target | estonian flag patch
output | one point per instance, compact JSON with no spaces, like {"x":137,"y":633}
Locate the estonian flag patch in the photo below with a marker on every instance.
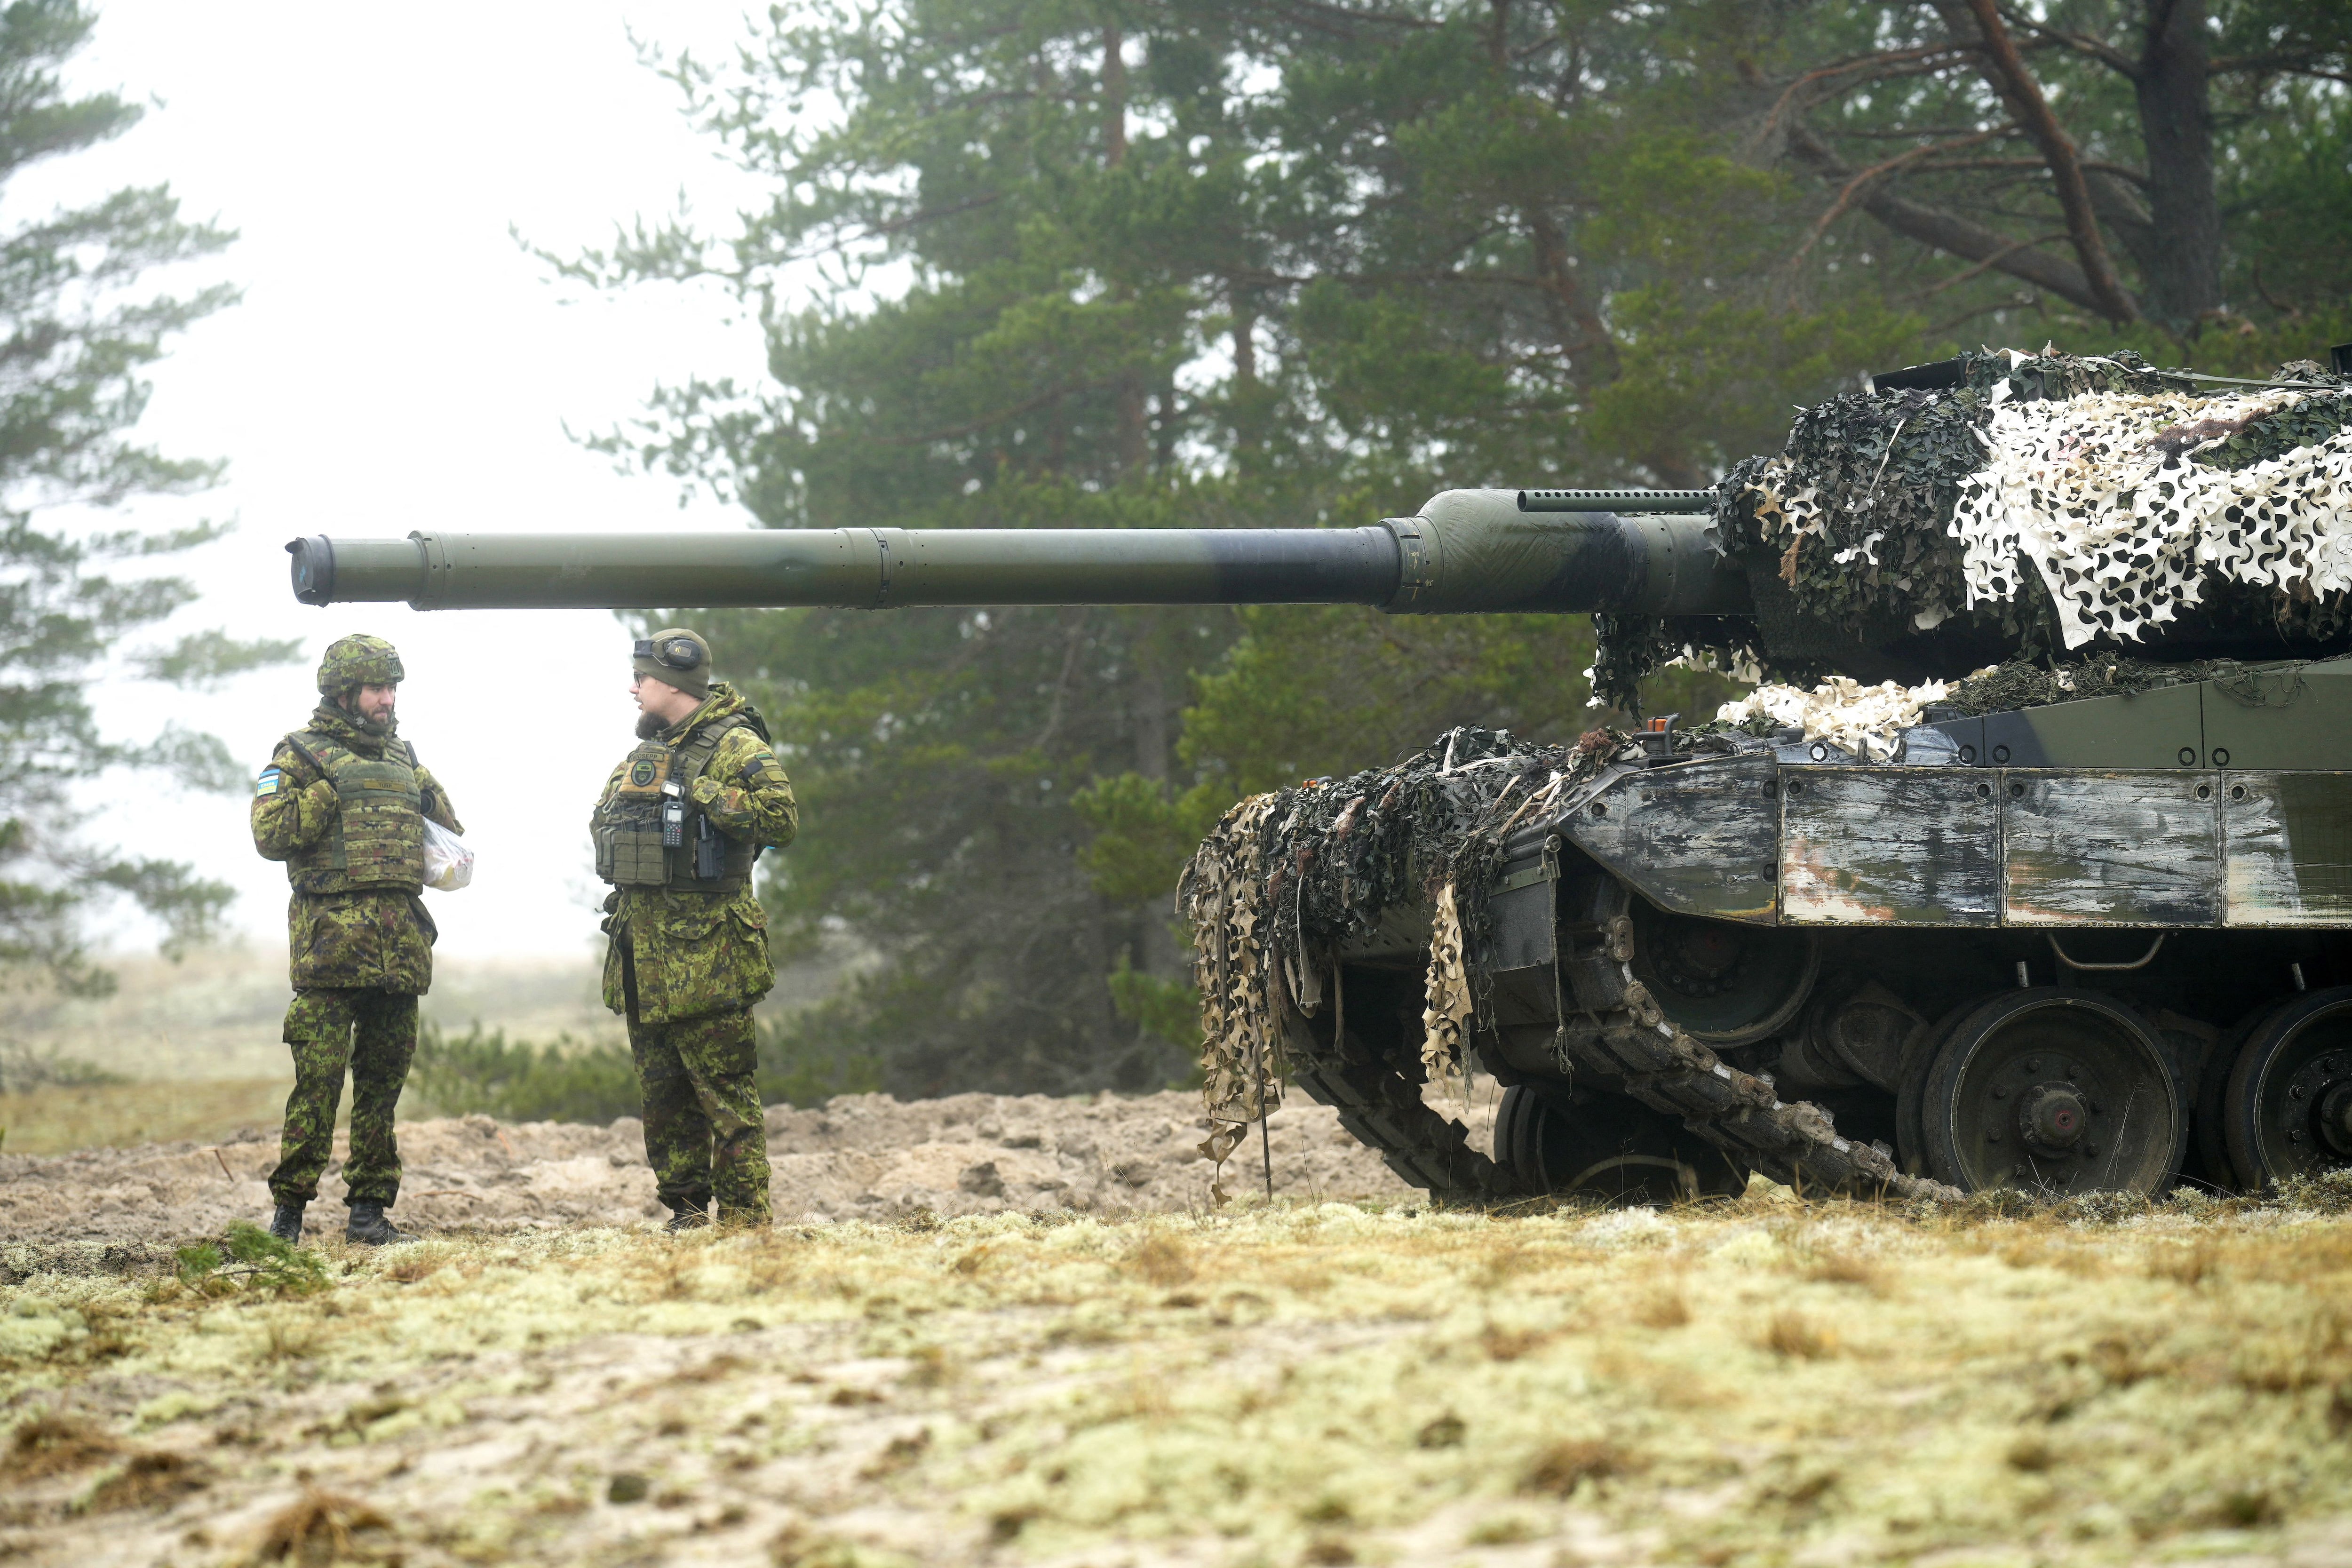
{"x":272,"y":777}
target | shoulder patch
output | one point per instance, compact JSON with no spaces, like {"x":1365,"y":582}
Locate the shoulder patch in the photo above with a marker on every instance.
{"x":271,"y":779}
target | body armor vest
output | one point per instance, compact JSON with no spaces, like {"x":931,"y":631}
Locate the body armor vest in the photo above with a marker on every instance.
{"x":650,"y":834}
{"x":379,"y":836}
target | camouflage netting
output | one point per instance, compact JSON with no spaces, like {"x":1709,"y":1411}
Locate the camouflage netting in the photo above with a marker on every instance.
{"x":1866,"y":720}
{"x":1285,"y":877}
{"x":2060,"y":501}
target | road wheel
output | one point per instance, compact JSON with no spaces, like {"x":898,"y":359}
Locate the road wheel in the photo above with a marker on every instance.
{"x":1608,"y":1147}
{"x":2053,"y":1090}
{"x":1910,"y":1095}
{"x":2288,"y":1108}
{"x":2209,"y":1151}
{"x":1721,"y":982}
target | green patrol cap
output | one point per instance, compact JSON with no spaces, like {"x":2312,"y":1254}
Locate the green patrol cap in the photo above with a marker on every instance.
{"x":358,"y":660}
{"x":675,"y":656}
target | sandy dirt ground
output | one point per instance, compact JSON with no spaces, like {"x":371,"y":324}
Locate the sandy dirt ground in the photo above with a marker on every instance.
{"x":863,"y":1156}
{"x":1749,"y":1385}
{"x":991,"y":1332}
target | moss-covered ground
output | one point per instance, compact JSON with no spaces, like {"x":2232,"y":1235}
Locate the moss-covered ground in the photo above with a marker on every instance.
{"x":1757,"y":1383}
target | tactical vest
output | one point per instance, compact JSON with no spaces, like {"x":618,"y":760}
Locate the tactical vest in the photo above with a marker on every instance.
{"x":379,"y":836}
{"x":627,"y":830}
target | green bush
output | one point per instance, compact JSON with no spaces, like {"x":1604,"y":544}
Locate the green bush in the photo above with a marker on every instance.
{"x":249,"y":1257}
{"x":803,"y":1060}
{"x":483,"y":1072}
{"x":479,"y":1071}
{"x":23,"y":1069}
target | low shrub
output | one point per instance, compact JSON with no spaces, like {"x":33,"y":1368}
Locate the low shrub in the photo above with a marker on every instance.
{"x":23,"y":1069}
{"x":248,"y":1257}
{"x":803,"y":1062}
{"x":483,"y":1072}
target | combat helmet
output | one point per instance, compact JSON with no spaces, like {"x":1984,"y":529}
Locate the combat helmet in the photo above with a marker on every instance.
{"x":358,"y":661}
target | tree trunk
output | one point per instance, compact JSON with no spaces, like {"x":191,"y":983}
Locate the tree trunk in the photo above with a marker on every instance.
{"x":1154,"y":715}
{"x":1128,"y":391}
{"x":2183,"y":267}
{"x":2004,"y":68}
{"x":1114,"y":81}
{"x":1245,"y":389}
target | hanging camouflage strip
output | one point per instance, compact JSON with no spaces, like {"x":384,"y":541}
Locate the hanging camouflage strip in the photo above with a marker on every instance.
{"x":1446,"y":1010}
{"x":1220,"y":897}
{"x":2047,"y":503}
{"x":1286,"y":878}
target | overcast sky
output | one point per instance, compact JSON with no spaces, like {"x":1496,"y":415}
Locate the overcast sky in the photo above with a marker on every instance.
{"x":398,"y":362}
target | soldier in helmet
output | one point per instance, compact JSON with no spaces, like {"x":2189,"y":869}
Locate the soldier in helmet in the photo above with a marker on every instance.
{"x":343,"y":804}
{"x":677,"y":831}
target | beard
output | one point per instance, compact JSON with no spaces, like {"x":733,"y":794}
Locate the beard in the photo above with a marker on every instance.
{"x":649,"y":725}
{"x":366,"y":724}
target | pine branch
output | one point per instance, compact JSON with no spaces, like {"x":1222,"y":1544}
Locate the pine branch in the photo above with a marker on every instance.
{"x":2007,"y":71}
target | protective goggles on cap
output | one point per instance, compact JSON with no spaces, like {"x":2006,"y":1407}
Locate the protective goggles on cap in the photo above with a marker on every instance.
{"x":674,"y":653}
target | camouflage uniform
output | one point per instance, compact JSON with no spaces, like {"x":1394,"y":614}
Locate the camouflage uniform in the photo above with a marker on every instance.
{"x":360,"y":946}
{"x":689,"y":954}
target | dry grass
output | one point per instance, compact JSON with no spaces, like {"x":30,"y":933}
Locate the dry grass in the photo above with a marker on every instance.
{"x":51,"y":1444}
{"x":1791,"y":1333}
{"x":1563,"y":1468}
{"x":1662,"y":1308}
{"x":1743,"y":1385}
{"x":57,"y":1119}
{"x":1845,"y":1268}
{"x":320,"y":1527}
{"x":144,"y":1481}
{"x":1163,"y":1259}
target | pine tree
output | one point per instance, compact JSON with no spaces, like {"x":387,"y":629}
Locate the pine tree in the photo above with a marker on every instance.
{"x":76,"y":337}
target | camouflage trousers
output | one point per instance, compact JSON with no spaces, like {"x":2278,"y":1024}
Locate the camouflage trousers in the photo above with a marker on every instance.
{"x":706,"y":1133}
{"x":373,"y":1034}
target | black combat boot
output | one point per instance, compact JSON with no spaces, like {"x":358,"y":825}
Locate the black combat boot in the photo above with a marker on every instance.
{"x":286,"y":1224}
{"x":370,"y":1228}
{"x":691,"y":1213}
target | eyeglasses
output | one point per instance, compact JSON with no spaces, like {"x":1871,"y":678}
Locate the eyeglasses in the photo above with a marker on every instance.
{"x":674,"y":653}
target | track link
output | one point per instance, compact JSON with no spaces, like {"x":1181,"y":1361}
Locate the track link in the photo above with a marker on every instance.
{"x":1796,"y":1144}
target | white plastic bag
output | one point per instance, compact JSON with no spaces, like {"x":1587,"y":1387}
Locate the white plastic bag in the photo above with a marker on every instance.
{"x":448,"y":864}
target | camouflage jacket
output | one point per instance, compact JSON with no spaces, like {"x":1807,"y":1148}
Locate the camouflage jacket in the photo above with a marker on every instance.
{"x":694,"y":953}
{"x":375,"y":937}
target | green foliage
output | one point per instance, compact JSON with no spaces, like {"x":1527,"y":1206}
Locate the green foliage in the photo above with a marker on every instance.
{"x":23,"y":1069}
{"x":485,"y":1073}
{"x":81,"y":334}
{"x":1166,"y":1009}
{"x":801,"y":1062}
{"x":249,"y":1258}
{"x":806,"y":1058}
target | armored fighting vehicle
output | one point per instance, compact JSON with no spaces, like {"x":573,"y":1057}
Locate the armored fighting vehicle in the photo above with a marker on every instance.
{"x":2075,"y":922}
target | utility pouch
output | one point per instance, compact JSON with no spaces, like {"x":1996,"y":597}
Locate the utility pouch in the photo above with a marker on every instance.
{"x":710,"y":850}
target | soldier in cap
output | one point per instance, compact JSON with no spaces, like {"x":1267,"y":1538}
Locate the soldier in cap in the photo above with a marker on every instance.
{"x":343,"y":804}
{"x":677,"y":831}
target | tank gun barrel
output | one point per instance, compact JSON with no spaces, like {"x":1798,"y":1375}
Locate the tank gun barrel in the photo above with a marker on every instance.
{"x":1464,"y":551}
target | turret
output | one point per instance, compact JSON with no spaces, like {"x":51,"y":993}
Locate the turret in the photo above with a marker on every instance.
{"x":1623,"y":552}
